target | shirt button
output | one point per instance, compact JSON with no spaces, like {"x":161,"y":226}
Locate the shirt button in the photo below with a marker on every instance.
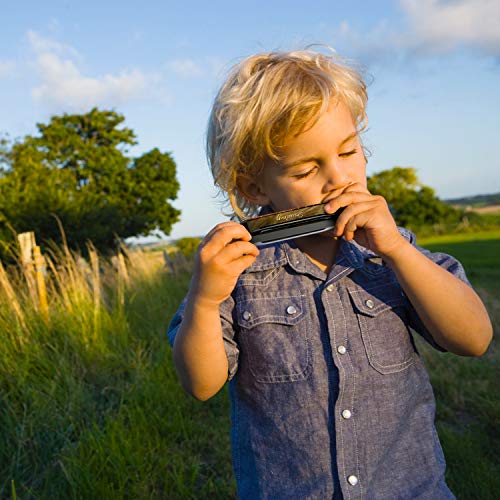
{"x":370,"y":303}
{"x":330,"y":288}
{"x":341,"y":349}
{"x":291,"y":310}
{"x":353,"y":480}
{"x":247,"y":315}
{"x":346,"y":414}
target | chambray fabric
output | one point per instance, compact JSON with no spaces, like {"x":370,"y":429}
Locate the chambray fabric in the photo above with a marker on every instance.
{"x":304,"y":347}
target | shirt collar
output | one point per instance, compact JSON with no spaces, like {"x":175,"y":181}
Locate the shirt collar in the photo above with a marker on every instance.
{"x":350,"y":255}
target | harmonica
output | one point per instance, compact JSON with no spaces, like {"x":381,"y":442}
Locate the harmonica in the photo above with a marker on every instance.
{"x":288,"y":224}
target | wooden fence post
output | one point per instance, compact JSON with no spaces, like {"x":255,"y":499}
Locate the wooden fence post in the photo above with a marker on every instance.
{"x":40,"y":281}
{"x":27,"y":242}
{"x":169,"y":263}
{"x":34,"y":270}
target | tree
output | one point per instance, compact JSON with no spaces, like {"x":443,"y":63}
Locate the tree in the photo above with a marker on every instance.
{"x":412,"y":204}
{"x":77,"y":170}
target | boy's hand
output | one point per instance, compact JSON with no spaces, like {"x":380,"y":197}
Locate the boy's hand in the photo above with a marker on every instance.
{"x":222,"y":256}
{"x":366,"y":219}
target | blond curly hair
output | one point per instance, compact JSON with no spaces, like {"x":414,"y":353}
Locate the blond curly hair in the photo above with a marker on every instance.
{"x":267,"y":98}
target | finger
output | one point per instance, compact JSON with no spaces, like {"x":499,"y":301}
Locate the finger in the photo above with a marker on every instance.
{"x":237,"y":249}
{"x":234,"y":258}
{"x":359,"y":221}
{"x":225,"y":234}
{"x":350,"y":220}
{"x":346,"y":199}
{"x":351,"y":227}
{"x":356,"y":187}
{"x":219,"y":227}
{"x":243,"y":263}
{"x":221,"y":236}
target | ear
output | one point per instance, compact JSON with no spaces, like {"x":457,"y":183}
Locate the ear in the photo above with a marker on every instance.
{"x":252,"y":190}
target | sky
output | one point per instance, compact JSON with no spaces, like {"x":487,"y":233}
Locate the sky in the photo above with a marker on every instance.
{"x":433,"y":68}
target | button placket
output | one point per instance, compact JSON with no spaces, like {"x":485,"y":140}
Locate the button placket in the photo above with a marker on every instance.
{"x":345,"y":416}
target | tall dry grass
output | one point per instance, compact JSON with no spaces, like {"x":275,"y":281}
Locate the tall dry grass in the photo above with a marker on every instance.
{"x":90,"y":406}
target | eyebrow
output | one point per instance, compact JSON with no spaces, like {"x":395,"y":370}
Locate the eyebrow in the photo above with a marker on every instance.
{"x":313,"y":158}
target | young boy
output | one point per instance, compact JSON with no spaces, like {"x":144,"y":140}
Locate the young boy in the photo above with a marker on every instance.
{"x":329,"y":397}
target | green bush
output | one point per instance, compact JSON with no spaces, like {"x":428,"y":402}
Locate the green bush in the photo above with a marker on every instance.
{"x":188,"y":246}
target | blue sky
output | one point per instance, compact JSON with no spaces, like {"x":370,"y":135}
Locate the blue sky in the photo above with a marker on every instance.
{"x":434,"y":98}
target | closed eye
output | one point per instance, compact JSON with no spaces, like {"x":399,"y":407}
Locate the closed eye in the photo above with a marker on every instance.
{"x":305,"y":174}
{"x":348,"y":153}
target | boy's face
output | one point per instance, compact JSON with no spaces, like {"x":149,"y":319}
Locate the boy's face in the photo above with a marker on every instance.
{"x":315,"y":165}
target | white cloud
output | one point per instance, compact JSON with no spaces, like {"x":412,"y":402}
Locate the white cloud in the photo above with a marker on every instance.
{"x":43,"y":45}
{"x":433,"y":27}
{"x":444,"y":25}
{"x":380,"y":43}
{"x":63,"y":85}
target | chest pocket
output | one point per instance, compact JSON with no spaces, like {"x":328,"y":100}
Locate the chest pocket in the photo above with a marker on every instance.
{"x":274,"y":343}
{"x":381,"y":314}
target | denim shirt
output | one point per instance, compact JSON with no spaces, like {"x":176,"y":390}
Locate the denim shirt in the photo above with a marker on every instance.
{"x":329,"y":396}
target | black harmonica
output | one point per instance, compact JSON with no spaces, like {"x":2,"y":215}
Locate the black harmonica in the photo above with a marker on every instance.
{"x":288,"y":224}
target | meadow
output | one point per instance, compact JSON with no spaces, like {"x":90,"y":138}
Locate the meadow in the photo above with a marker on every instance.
{"x":90,"y":405}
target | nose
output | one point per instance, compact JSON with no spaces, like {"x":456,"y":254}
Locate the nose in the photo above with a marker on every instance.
{"x":335,"y":176}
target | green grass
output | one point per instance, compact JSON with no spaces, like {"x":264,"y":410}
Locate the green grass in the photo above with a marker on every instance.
{"x":99,"y":413}
{"x":90,"y":405}
{"x":466,"y":389}
{"x":478,"y":252}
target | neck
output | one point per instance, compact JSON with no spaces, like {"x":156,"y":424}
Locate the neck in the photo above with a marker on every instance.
{"x":321,"y":249}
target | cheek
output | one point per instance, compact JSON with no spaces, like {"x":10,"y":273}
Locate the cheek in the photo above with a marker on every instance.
{"x":360,"y":173}
{"x":293,"y":196}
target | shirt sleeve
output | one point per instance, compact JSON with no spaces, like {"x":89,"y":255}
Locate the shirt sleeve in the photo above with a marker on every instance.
{"x":447,"y":262}
{"x":226,"y":311}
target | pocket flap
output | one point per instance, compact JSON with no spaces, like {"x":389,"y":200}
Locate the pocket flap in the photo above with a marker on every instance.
{"x":283,"y":310}
{"x":374,"y":301}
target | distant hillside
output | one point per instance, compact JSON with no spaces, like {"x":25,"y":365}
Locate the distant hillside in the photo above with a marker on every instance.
{"x":479,"y":200}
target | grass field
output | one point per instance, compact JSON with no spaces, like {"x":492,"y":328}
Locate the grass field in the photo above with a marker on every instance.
{"x":466,"y":389}
{"x":90,"y":406}
{"x":478,"y":252}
